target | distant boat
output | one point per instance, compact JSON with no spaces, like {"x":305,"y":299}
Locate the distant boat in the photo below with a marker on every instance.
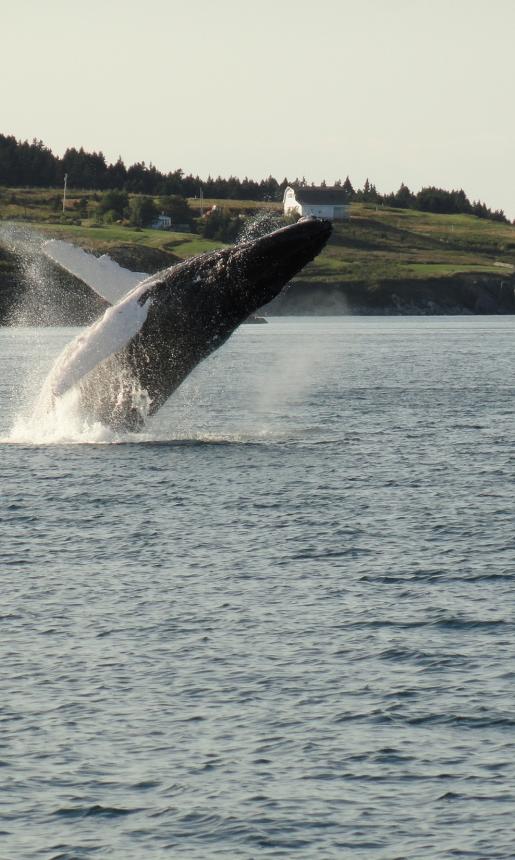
{"x":254,"y":320}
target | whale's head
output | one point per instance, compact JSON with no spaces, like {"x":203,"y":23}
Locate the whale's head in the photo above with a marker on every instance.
{"x":261,"y":267}
{"x":213,"y":293}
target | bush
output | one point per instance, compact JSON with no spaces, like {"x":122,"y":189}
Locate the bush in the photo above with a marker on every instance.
{"x":111,"y":216}
{"x":220,"y":226}
{"x":142,"y":211}
{"x":113,"y":201}
{"x":177,"y":208}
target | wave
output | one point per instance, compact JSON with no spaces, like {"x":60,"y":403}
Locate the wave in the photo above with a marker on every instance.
{"x":95,"y":810}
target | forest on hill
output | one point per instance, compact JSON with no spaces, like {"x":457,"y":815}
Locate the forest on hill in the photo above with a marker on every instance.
{"x":24,"y":164}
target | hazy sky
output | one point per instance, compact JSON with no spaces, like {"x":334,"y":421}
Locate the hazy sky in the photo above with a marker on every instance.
{"x":419,"y":91}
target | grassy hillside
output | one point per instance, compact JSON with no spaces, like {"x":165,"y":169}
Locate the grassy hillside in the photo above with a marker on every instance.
{"x":396,"y":244}
{"x":376,"y":243}
{"x":375,"y":250}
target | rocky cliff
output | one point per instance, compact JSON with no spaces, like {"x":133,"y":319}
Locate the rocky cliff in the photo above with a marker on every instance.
{"x":460,"y":294}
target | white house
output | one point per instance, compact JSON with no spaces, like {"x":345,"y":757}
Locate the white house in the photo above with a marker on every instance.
{"x":162,"y":222}
{"x":331,"y":203}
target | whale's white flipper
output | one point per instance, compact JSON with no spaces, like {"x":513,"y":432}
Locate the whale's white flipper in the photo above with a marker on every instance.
{"x":103,"y":275}
{"x":109,"y":334}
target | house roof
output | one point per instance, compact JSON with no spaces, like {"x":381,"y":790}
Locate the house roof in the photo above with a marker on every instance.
{"x":321,"y":196}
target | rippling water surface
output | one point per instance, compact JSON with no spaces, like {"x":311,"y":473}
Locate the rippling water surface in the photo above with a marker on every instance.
{"x":279,"y":623}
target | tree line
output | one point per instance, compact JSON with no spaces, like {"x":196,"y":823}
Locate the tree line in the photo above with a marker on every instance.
{"x":34,"y":165}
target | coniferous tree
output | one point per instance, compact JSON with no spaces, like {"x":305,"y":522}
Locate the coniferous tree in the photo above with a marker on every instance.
{"x":347,"y":187}
{"x":402,"y":199}
{"x":116,"y":174}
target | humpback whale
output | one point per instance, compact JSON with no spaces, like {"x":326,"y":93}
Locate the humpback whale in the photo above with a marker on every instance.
{"x":127,"y":364}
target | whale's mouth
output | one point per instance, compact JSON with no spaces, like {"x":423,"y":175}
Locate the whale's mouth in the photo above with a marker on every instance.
{"x":270,"y":262}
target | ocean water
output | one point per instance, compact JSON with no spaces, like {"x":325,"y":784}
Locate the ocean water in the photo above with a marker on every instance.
{"x":278,"y":623}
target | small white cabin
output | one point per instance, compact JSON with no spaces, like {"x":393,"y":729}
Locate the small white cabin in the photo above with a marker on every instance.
{"x":331,"y":203}
{"x":162,"y":222}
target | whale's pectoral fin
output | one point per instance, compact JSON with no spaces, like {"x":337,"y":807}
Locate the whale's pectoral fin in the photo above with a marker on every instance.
{"x":105,"y":277}
{"x":108,"y":335}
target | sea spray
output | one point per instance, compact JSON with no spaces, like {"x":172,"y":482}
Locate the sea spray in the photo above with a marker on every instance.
{"x":38,"y":301}
{"x":45,"y":293}
{"x":49,"y":420}
{"x":295,"y":367}
{"x":259,"y":225}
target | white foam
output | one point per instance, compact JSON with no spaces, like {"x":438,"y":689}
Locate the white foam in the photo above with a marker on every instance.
{"x":61,"y":424}
{"x":102,"y":274}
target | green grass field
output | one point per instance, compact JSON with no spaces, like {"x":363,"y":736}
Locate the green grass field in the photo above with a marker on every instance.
{"x":376,"y":244}
{"x":101,"y":238}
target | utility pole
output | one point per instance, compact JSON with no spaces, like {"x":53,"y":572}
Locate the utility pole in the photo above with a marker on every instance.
{"x":64,"y":191}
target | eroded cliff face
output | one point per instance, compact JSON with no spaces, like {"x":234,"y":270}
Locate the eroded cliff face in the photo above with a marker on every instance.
{"x":460,"y":294}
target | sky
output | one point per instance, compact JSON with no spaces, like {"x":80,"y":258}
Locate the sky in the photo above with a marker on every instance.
{"x":413,"y":91}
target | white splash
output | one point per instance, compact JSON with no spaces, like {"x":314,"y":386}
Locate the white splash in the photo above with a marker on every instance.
{"x":61,"y":424}
{"x":63,"y":421}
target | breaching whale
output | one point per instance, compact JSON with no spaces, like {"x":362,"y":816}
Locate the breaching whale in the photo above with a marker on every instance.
{"x":127,"y":364}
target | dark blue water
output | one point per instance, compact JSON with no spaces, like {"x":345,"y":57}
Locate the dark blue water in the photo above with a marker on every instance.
{"x":281,"y":624}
